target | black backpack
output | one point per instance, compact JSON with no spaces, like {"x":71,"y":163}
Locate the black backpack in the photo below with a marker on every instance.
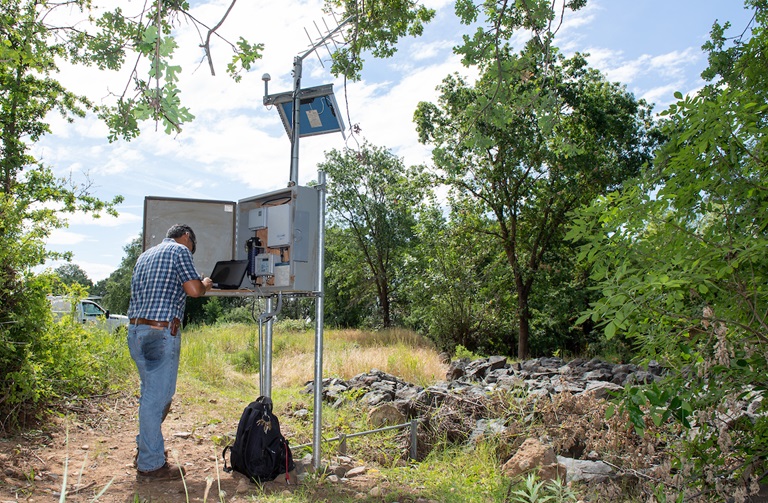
{"x":260,"y":451}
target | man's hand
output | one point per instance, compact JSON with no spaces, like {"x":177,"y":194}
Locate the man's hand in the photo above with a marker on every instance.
{"x":197,"y":287}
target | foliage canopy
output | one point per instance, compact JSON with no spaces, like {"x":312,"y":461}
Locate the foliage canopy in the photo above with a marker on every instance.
{"x":374,"y":200}
{"x":538,"y":136}
{"x":681,"y":264}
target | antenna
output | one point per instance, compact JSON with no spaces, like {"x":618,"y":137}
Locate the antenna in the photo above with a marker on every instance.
{"x":266,"y":78}
{"x":324,"y":40}
{"x":308,"y":103}
{"x":330,"y":36}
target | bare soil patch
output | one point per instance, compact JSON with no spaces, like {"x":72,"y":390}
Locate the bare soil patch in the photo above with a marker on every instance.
{"x":95,"y":445}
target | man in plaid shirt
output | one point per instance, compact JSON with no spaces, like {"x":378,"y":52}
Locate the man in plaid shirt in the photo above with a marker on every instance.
{"x":162,"y":279}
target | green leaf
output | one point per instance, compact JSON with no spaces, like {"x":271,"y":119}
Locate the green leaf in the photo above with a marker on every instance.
{"x":150,"y":35}
{"x":581,"y":319}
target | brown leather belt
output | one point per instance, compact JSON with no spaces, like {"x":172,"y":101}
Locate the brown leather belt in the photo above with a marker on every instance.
{"x":151,"y":323}
{"x":158,"y":324}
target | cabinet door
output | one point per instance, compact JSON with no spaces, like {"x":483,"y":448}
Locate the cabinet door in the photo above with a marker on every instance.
{"x":212,"y":221}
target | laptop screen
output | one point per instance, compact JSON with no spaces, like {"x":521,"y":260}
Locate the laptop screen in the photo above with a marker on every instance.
{"x":228,"y":274}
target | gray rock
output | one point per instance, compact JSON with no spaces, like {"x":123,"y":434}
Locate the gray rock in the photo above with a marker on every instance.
{"x":457,"y":369}
{"x":538,"y":377}
{"x":584,"y":470}
{"x":408,"y":392}
{"x":599,"y":374}
{"x":654,"y":368}
{"x":640,"y":377}
{"x":356,"y":472}
{"x":601,"y":389}
{"x":386,"y":414}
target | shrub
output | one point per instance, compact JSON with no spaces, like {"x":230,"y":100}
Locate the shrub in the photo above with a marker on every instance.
{"x":54,"y":360}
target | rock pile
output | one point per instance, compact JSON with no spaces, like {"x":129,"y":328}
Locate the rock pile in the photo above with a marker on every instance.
{"x":538,"y":377}
{"x":457,"y":410}
{"x":392,"y":400}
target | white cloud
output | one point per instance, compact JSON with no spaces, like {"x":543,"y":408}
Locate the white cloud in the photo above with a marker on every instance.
{"x":63,"y":237}
{"x":674,"y":63}
{"x":437,"y":4}
{"x":570,"y":34}
{"x":661,"y":96}
{"x":121,"y":163}
{"x":654,"y":78}
{"x":387,"y":119}
{"x":96,"y":271}
{"x":426,"y":51}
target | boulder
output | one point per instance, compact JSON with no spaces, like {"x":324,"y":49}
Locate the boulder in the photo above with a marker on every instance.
{"x":457,"y":369}
{"x":602,"y":389}
{"x":386,"y":414}
{"x":584,"y":470}
{"x":533,"y":456}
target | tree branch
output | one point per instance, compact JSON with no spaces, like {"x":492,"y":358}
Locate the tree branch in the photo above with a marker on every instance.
{"x":207,"y":44}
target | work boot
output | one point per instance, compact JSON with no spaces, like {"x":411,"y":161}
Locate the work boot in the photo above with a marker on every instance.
{"x":136,"y":457}
{"x":165,"y":472}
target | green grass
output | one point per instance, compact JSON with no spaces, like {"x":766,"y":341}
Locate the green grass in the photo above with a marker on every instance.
{"x":221,"y":361}
{"x":456,"y":474}
{"x":212,"y":363}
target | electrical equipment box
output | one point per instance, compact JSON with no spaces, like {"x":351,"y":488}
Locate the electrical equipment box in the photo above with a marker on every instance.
{"x":282,"y":275}
{"x":290,"y":235}
{"x":214,"y":223}
{"x":279,"y":225}
{"x":277,"y":232}
{"x":257,"y":219}
{"x":265,"y":265}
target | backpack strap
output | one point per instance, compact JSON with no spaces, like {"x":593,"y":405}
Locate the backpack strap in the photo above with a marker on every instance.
{"x":267,"y":402}
{"x":224,"y":457}
{"x":287,"y":452}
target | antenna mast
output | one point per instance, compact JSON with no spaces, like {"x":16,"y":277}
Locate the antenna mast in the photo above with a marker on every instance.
{"x":297,"y":95}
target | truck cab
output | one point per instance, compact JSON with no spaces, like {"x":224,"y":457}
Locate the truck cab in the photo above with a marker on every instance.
{"x":86,"y":311}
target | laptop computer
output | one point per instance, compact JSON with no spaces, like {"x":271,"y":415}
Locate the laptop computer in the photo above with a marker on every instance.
{"x":229,"y":274}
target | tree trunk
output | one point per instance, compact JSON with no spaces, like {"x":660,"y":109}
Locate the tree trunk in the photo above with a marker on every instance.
{"x":524,"y":328}
{"x":385,"y":308}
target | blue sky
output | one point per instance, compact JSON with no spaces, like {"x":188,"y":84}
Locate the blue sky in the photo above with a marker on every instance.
{"x":236,"y":148}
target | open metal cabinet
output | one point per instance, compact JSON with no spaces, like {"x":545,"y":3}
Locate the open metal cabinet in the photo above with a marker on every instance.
{"x":276,"y":232}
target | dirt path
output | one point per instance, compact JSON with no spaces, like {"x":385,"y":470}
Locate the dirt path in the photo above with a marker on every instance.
{"x":96,"y":445}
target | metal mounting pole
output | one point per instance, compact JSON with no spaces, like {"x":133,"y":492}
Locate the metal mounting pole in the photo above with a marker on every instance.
{"x":295,"y":131}
{"x":294,"y":181}
{"x":262,"y":384}
{"x":319,"y":320}
{"x":266,"y":372}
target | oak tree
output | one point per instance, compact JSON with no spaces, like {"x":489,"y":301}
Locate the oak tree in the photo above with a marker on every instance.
{"x":535,"y":138}
{"x":375,"y":199}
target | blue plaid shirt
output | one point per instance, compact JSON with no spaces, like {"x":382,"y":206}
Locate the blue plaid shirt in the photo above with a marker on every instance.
{"x":156,"y":286}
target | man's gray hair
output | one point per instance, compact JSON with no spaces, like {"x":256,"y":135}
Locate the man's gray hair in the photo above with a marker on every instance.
{"x":179,"y":230}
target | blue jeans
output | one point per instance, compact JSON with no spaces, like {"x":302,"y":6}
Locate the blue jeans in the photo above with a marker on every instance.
{"x":156,"y":353}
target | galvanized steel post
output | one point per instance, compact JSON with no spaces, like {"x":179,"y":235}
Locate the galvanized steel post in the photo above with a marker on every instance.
{"x":295,"y":132}
{"x":319,"y":320}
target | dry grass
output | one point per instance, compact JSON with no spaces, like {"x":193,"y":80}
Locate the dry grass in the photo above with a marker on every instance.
{"x":347,"y":353}
{"x":208,"y":354}
{"x":420,"y":366}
